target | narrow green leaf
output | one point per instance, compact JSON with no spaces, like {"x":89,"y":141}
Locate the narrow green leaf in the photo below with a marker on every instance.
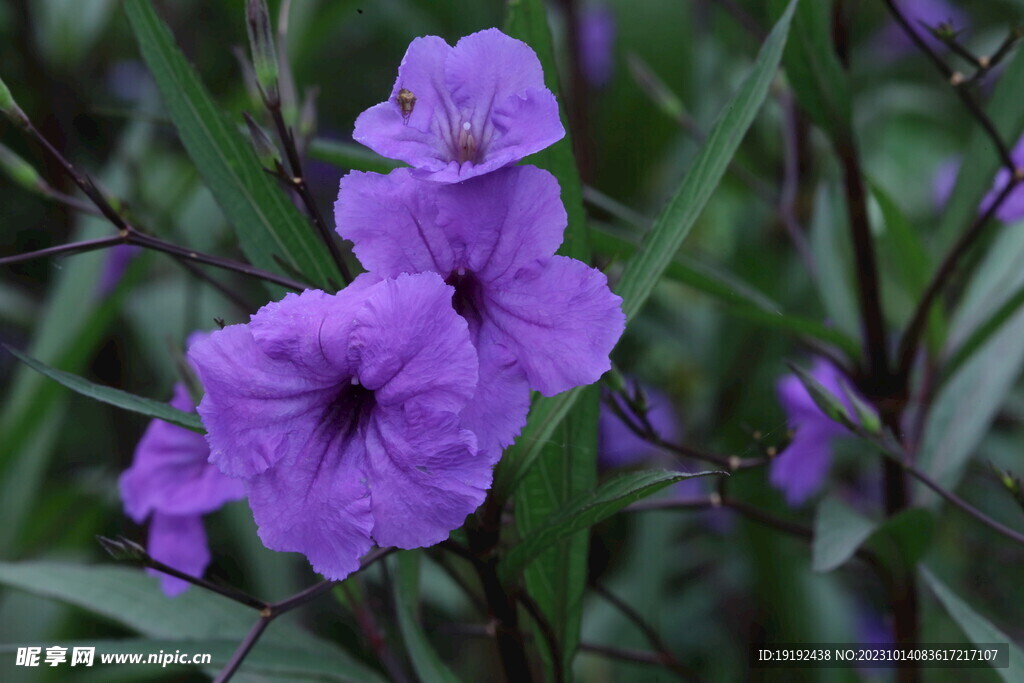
{"x":983,"y":379}
{"x":674,"y":223}
{"x":742,"y":299}
{"x":660,"y":245}
{"x":425,"y":660}
{"x":557,"y":579}
{"x":266,"y":222}
{"x":826,"y":401}
{"x":115,"y":397}
{"x":981,"y":162}
{"x":349,"y":155}
{"x":819,"y":81}
{"x":838,"y":531}
{"x":984,"y":332}
{"x":587,"y":510}
{"x":977,"y":628}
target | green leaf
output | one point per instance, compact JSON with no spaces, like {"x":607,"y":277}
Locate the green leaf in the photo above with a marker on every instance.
{"x":132,"y":598}
{"x":742,"y":299}
{"x":587,"y":510}
{"x":981,"y":162}
{"x":660,"y":245}
{"x":265,"y":220}
{"x":684,"y":208}
{"x":838,"y":531}
{"x":349,"y":155}
{"x":905,"y":538}
{"x":115,"y":397}
{"x":976,"y":627}
{"x":984,"y":332}
{"x":983,"y":380}
{"x":818,"y":79}
{"x":425,"y":660}
{"x":557,"y":579}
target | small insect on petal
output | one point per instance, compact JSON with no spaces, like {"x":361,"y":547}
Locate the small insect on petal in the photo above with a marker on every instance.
{"x":406,"y":102}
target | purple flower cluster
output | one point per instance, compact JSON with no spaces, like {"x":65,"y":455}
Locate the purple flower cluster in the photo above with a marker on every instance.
{"x":375,"y":415}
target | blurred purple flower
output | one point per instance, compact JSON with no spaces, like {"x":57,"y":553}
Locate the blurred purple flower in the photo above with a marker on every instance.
{"x":894,"y":40}
{"x":171,"y":483}
{"x":341,"y":412}
{"x":114,"y":267}
{"x":619,"y":446}
{"x":1012,"y":208}
{"x":800,"y":469}
{"x":597,"y":40}
{"x":538,"y":321}
{"x":458,"y":112}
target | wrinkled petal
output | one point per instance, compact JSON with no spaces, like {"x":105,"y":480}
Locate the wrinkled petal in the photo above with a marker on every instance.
{"x":800,"y":470}
{"x":257,"y":409}
{"x":422,"y":140}
{"x":498,"y":409}
{"x":178,"y":541}
{"x":392,"y":221}
{"x":170,"y":472}
{"x":491,"y":225}
{"x":316,"y":502}
{"x":426,"y":475}
{"x":412,"y":345}
{"x":561,"y":321}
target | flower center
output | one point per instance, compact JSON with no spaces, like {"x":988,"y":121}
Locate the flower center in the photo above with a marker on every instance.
{"x":348,"y":410}
{"x":466,"y":146}
{"x":465,"y":301}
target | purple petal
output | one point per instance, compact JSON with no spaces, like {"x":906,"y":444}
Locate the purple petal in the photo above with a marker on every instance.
{"x":894,"y":40}
{"x":257,"y":409}
{"x":619,"y":446}
{"x":498,"y":410}
{"x":561,"y":321}
{"x":597,"y":37}
{"x":1012,"y":208}
{"x":422,"y":140}
{"x":411,"y":345}
{"x":178,"y":541}
{"x":426,"y":475}
{"x":800,"y":470}
{"x":315,"y":501}
{"x":170,"y":473}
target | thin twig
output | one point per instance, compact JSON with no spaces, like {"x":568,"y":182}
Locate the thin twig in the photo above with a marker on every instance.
{"x":655,"y":640}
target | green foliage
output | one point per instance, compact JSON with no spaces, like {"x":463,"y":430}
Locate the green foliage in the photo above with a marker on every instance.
{"x":268,"y":225}
{"x":428,"y":664}
{"x":587,"y":510}
{"x":115,"y":397}
{"x":839,"y":531}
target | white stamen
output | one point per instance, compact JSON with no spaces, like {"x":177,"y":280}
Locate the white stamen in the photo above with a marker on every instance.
{"x":465,"y":125}
{"x":462,"y":271}
{"x":355,"y":381}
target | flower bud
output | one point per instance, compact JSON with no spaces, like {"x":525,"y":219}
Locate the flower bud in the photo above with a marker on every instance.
{"x":261,"y":43}
{"x":266,"y":152}
{"x":10,"y":108}
{"x":20,"y":171}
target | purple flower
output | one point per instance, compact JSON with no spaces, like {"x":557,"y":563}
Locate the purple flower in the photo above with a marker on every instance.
{"x":800,"y":469}
{"x":921,"y":13}
{"x":619,"y":446}
{"x":458,"y":112}
{"x":538,"y":321}
{"x":341,"y":412}
{"x":597,"y":38}
{"x":1012,"y":208}
{"x":114,"y":266}
{"x":171,"y":483}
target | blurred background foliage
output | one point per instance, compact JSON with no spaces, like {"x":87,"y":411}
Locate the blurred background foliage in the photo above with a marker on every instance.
{"x":712,"y":583}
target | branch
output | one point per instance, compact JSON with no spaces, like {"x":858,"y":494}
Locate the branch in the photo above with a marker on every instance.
{"x":274,"y":610}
